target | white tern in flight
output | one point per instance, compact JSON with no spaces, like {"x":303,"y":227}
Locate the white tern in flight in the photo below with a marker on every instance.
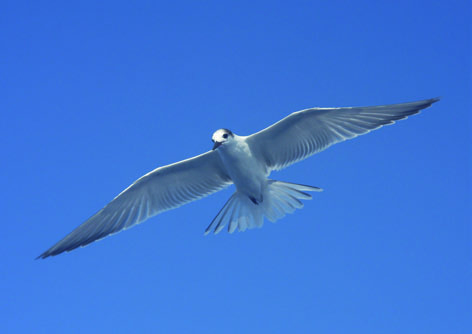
{"x":246,"y":162}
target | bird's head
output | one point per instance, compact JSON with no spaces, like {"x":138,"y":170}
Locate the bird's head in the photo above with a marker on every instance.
{"x":220,"y":137}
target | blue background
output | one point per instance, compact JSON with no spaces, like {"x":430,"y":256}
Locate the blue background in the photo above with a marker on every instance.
{"x":94,"y":95}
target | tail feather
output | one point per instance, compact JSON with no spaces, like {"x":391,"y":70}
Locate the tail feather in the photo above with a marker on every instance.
{"x":291,"y":201}
{"x":279,"y":198}
{"x":244,"y":221}
{"x":233,"y":221}
{"x":297,"y":193}
{"x":218,"y":222}
{"x":277,"y":209}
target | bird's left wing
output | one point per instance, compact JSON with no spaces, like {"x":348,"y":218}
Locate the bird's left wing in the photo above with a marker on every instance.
{"x":162,"y":189}
{"x":306,"y":132}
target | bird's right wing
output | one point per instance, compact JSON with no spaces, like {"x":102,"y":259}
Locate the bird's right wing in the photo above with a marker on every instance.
{"x":306,"y":132}
{"x":162,"y":189}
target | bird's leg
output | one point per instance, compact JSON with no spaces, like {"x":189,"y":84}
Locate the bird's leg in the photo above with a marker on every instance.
{"x":255,"y":201}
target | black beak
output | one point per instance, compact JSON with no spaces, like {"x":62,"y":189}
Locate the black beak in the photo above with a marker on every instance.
{"x":217,"y":144}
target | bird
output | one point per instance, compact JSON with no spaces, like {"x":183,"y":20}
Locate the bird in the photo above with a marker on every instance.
{"x":246,"y":162}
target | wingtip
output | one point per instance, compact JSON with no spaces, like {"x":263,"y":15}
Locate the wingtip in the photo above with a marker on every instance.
{"x":42,"y":257}
{"x":45,"y":255}
{"x":53,"y":251}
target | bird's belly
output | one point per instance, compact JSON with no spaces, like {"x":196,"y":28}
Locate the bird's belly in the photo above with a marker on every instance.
{"x":248,"y":178}
{"x":247,"y":173}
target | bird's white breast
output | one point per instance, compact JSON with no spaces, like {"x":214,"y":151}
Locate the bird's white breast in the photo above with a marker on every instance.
{"x":248,"y":173}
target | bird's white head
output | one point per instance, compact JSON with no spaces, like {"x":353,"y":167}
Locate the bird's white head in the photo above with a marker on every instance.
{"x":220,"y":137}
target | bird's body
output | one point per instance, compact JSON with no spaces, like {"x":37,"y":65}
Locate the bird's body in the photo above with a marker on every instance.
{"x":248,"y":173}
{"x":246,"y":162}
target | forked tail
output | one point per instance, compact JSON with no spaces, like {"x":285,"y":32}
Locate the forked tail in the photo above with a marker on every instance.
{"x":242,"y":213}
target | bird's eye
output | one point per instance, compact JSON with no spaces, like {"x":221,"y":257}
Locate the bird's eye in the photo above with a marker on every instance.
{"x":225,"y":136}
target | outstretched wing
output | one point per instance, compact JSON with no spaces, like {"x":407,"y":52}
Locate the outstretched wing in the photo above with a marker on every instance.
{"x":162,"y":189}
{"x":306,"y":132}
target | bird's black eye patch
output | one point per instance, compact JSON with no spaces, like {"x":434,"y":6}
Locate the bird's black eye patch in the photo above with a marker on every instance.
{"x":225,"y":136}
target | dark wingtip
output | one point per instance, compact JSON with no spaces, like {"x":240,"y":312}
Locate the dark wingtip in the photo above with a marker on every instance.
{"x":53,"y":252}
{"x":428,"y":103}
{"x":43,"y":255}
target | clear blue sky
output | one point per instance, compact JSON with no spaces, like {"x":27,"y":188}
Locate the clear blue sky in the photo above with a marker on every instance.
{"x":95,"y":95}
